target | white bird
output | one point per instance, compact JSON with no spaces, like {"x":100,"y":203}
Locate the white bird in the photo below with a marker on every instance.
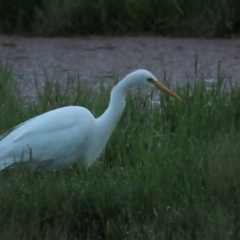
{"x":65,"y":135}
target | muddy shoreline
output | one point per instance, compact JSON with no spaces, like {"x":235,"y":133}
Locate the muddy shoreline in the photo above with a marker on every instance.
{"x":105,"y":58}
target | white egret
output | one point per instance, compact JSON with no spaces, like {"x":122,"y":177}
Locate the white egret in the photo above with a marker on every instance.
{"x":62,"y":136}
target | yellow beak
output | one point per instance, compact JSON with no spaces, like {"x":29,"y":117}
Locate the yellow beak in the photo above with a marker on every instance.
{"x":161,"y":87}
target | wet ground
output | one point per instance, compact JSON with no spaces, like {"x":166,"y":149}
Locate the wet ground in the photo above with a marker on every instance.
{"x":104,"y":58}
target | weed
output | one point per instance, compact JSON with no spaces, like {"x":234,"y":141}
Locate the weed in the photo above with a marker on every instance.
{"x":169,"y":171}
{"x":209,"y":18}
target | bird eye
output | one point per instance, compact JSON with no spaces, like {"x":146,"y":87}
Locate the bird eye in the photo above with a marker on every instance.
{"x":150,"y":80}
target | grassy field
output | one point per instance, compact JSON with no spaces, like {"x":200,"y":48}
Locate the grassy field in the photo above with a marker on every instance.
{"x":208,"y":18}
{"x":169,"y":171}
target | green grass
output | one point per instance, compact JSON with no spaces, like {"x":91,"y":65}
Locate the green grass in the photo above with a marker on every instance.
{"x":169,"y":171}
{"x":209,"y":18}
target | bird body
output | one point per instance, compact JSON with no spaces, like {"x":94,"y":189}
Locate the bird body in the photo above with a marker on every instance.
{"x":62,"y":136}
{"x":57,"y":135}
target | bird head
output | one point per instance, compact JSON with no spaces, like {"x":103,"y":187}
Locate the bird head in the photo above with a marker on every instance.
{"x":145,"y":78}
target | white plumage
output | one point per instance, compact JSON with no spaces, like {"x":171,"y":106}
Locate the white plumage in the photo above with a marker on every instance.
{"x":60,"y":137}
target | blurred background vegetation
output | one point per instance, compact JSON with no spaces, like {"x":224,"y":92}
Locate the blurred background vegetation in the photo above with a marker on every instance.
{"x":206,"y":18}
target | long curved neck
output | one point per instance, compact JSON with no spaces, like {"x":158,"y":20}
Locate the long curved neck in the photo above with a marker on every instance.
{"x":109,"y":119}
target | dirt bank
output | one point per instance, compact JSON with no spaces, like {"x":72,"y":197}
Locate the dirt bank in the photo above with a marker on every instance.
{"x":107,"y":57}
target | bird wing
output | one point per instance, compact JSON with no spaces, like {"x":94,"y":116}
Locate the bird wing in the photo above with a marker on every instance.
{"x":2,"y":136}
{"x":55,"y":135}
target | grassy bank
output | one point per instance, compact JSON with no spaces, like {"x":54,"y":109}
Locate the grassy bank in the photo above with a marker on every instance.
{"x":170,"y":171}
{"x":210,"y":18}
